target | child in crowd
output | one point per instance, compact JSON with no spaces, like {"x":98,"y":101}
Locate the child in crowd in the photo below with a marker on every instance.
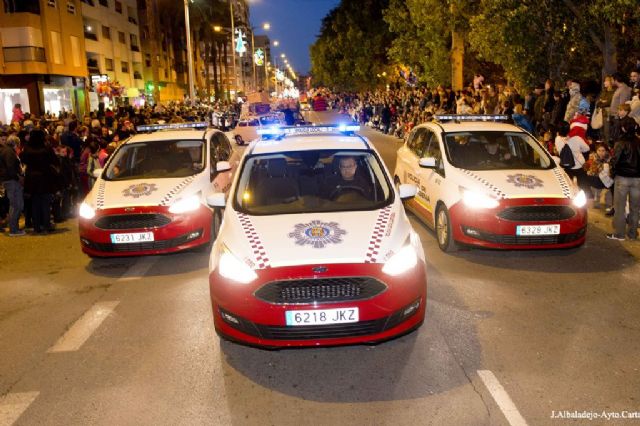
{"x":598,"y":175}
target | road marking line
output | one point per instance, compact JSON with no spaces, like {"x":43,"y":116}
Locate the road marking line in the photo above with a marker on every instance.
{"x":139,"y":269}
{"x":12,"y":405}
{"x":82,"y":329}
{"x":502,"y":398}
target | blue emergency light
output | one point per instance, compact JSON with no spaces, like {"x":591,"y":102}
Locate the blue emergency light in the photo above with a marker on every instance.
{"x":471,"y":117}
{"x":308,"y":130}
{"x":172,"y":126}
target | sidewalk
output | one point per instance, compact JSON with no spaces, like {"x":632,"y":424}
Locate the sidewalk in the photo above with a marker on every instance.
{"x":603,"y":224}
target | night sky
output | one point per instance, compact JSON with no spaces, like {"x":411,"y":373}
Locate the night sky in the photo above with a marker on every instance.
{"x":294,"y":23}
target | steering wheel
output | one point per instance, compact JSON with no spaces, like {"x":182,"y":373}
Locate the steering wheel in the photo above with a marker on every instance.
{"x":342,"y":188}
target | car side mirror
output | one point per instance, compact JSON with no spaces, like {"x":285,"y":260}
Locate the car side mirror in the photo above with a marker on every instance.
{"x":407,"y":190}
{"x":223,"y":166}
{"x":427,"y":162}
{"x":97,"y":172}
{"x":217,"y":199}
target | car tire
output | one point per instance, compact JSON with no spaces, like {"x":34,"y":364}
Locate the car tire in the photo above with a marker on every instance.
{"x":443,"y":229}
{"x":239,"y":140}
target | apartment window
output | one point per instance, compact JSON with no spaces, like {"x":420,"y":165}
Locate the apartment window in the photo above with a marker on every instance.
{"x":147,"y":60}
{"x":135,"y":47}
{"x":56,"y":48}
{"x":118,"y":6}
{"x":108,"y":64}
{"x":51,"y":3}
{"x":125,"y":66}
{"x":28,"y":6}
{"x":104,"y":3}
{"x":121,"y":37}
{"x":89,"y":2}
{"x":75,"y":51}
{"x":71,"y":7}
{"x":23,"y":54}
{"x":106,"y":32}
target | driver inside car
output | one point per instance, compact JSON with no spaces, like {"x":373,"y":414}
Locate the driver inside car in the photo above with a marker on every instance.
{"x":346,"y":180}
{"x":493,"y":154}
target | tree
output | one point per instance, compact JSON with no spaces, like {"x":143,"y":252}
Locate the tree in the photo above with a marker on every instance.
{"x":352,"y":45}
{"x":535,"y":40}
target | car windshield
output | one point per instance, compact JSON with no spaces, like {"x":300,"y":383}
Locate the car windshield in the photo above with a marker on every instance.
{"x":312,"y":181}
{"x":494,"y":150}
{"x":157,"y":159}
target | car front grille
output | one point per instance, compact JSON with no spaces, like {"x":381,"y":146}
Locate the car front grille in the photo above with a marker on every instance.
{"x":312,"y":332}
{"x":146,"y":246}
{"x":537,"y":213}
{"x":132,"y":221}
{"x":516,"y":240}
{"x":320,"y":290}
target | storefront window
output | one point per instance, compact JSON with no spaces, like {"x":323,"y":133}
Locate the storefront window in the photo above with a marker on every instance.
{"x":8,"y":99}
{"x":57,"y":99}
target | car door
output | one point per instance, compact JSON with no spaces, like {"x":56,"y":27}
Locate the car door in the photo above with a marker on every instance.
{"x":432,"y":178}
{"x":408,"y":156}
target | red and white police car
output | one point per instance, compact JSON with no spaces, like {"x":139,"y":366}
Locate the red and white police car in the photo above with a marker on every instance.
{"x":151,"y":196}
{"x":315,"y":247}
{"x":482,"y":182}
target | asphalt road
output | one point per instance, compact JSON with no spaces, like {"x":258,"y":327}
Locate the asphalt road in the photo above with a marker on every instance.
{"x":510,"y":337}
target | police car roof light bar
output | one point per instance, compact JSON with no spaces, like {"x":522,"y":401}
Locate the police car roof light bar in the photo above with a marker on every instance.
{"x":306,"y":130}
{"x":172,"y":126}
{"x":473,"y":117}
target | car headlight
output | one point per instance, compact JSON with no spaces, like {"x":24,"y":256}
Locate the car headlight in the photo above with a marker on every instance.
{"x":580,"y":199}
{"x":185,"y":205}
{"x":478,"y":200}
{"x":86,"y":211}
{"x":401,"y":262}
{"x":229,"y":266}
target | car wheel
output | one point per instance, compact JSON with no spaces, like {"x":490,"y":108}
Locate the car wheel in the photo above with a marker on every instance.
{"x":239,"y":140}
{"x":443,"y":230}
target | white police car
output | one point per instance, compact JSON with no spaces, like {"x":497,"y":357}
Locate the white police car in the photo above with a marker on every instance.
{"x":485,"y":183}
{"x":315,"y":247}
{"x":151,"y":196}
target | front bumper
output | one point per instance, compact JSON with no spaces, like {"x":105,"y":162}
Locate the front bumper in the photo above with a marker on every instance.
{"x":173,"y":233}
{"x":241,"y":314}
{"x":491,"y":228}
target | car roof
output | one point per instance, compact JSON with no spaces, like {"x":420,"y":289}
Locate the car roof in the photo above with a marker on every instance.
{"x":167,"y":135}
{"x":473,"y":126}
{"x":321,"y":141}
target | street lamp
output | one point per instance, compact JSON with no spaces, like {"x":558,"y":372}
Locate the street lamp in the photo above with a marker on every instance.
{"x":276,"y":43}
{"x":189,"y":52}
{"x":266,"y":26}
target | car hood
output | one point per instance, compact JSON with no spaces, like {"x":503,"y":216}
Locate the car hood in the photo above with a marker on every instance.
{"x":524,"y":183}
{"x":315,"y":238}
{"x":139,"y":192}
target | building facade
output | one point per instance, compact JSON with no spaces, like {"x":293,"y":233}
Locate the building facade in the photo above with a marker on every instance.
{"x":113,"y":48}
{"x":42,"y":57}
